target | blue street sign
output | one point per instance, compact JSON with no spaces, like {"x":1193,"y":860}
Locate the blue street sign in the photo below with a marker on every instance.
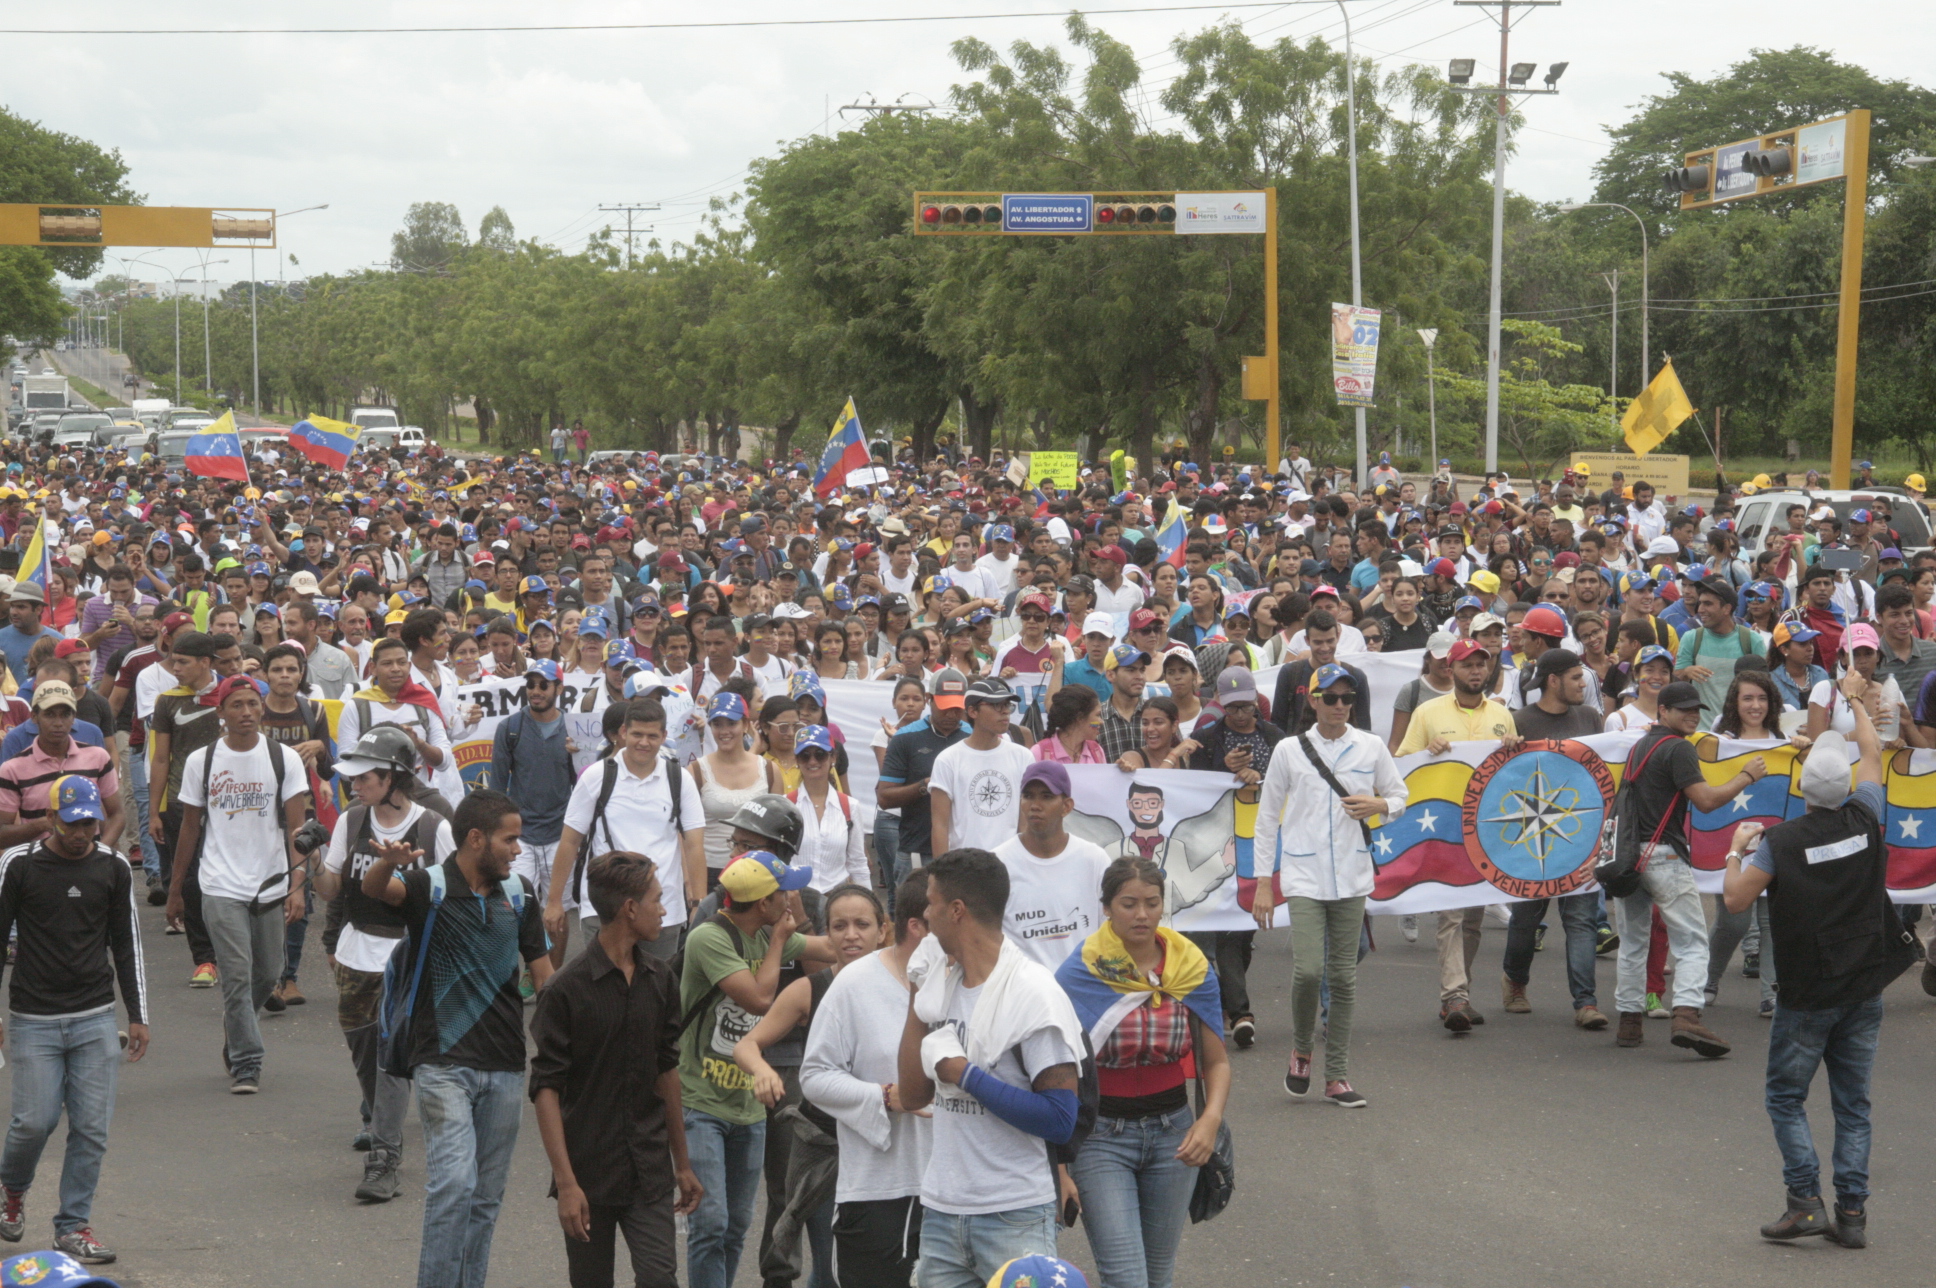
{"x":1046,"y":212}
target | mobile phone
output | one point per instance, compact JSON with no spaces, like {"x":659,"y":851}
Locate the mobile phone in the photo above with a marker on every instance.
{"x":1071,"y":1212}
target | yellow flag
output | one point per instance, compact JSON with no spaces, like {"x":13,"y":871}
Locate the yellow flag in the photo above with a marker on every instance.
{"x":1658,"y":412}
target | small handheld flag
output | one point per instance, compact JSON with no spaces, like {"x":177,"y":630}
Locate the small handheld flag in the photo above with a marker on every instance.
{"x":329,"y":443}
{"x":846,"y":451}
{"x":1169,"y":537}
{"x":37,"y":565}
{"x":1658,"y":412}
{"x":216,"y":452}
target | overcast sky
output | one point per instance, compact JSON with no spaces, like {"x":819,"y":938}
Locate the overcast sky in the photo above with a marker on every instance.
{"x":552,"y":125}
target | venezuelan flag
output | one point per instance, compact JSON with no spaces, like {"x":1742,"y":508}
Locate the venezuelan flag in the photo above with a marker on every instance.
{"x":845,"y":452}
{"x":1909,"y":820}
{"x":329,"y":443}
{"x":216,"y":452}
{"x":1169,"y":536}
{"x":37,"y":565}
{"x":1427,"y":842}
{"x":1771,"y":800}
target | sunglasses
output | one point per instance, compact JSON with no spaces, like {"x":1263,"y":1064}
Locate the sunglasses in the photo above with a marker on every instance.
{"x":1335,"y":699}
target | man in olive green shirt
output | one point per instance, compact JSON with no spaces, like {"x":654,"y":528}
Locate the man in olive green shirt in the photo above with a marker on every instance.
{"x":732,"y":976}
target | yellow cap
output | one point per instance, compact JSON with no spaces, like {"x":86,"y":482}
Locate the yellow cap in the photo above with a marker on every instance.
{"x":1914,"y":482}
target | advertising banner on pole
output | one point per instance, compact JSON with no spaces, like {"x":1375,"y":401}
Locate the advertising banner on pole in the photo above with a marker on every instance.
{"x":1354,"y":354}
{"x":1819,"y":151}
{"x":1219,"y":212}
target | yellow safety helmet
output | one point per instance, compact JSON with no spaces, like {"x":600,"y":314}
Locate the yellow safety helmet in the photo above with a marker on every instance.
{"x":1914,"y":483}
{"x":1762,"y":480}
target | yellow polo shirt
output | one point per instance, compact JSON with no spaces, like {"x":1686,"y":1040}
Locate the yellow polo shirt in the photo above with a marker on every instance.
{"x":1445,"y":718}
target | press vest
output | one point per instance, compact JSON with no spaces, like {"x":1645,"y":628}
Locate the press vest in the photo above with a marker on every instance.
{"x":1837,"y":937}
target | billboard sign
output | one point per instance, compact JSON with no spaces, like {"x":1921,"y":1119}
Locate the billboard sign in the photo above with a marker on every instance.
{"x":1819,"y":151}
{"x":1219,"y":212}
{"x":1354,"y":354}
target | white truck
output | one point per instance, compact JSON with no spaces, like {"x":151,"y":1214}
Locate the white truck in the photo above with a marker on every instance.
{"x":43,"y":393}
{"x":151,"y":412}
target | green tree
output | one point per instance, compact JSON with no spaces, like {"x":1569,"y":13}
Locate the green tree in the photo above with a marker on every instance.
{"x":431,"y":239}
{"x":1541,"y":419}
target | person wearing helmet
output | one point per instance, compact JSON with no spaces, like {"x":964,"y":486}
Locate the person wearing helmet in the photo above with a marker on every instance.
{"x":381,"y":770}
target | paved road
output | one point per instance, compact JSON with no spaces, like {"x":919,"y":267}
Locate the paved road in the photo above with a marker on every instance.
{"x":106,"y":369}
{"x":1525,"y":1155}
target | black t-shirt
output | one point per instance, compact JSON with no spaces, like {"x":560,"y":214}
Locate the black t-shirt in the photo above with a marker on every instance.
{"x":1574,"y":722}
{"x":1399,"y":638}
{"x":469,"y":1012}
{"x":910,"y":758}
{"x":1671,"y":769}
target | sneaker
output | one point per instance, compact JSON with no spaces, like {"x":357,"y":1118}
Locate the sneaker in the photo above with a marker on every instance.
{"x":1689,"y":1032}
{"x":1656,"y":1010}
{"x":1539,"y":938}
{"x":362,"y":1142}
{"x":1456,"y":1016}
{"x":84,"y":1247}
{"x":1767,"y":1011}
{"x":245,"y":1085}
{"x":1476,"y":1018}
{"x":1408,"y":926}
{"x":1605,"y":942}
{"x":291,"y":995}
{"x":1297,"y":1078}
{"x":157,"y":896}
{"x":1340,"y":1094}
{"x":1632,"y":1031}
{"x":204,"y":976}
{"x":380,"y":1180}
{"x":274,"y":1003}
{"x":13,"y":1215}
{"x":1851,"y":1229}
{"x":526,"y":989}
{"x":1750,"y":965}
{"x":1243,"y":1032}
{"x":1590,"y":1018}
{"x":1710,"y":994}
{"x":174,"y":928}
{"x":1929,"y":976}
{"x":1803,"y":1218}
{"x":1515,"y":997}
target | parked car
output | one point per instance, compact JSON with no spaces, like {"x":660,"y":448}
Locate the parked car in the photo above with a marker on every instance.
{"x":1765,"y":513}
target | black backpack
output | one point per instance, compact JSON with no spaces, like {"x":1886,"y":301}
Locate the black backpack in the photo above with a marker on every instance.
{"x":675,"y":784}
{"x":1620,"y":864}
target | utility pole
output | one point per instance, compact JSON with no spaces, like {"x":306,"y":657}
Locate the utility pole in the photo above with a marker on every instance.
{"x":1513,"y":79}
{"x":1613,"y":362}
{"x":629,"y":212}
{"x":874,"y":107}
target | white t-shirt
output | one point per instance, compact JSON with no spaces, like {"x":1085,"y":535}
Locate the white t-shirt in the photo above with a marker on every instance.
{"x":985,"y":791}
{"x":1842,"y":720}
{"x":1053,"y":904}
{"x":971,"y":580}
{"x":1629,"y":717}
{"x":354,"y":948}
{"x":980,"y":1164}
{"x":639,"y":816}
{"x":244,"y":846}
{"x":850,"y":1054}
{"x":771,"y":674}
{"x":998,"y":573}
{"x":902,"y":585}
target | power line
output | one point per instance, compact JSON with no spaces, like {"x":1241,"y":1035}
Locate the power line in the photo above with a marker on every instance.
{"x":1580,"y":312}
{"x":629,"y":211}
{"x":487,"y":29}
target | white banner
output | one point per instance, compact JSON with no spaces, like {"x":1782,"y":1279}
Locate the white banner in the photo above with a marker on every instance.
{"x":1220,"y":212}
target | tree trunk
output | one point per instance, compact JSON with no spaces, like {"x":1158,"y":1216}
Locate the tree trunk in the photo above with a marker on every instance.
{"x":783,"y":438}
{"x":1142,"y":438}
{"x":978,"y":423}
{"x":1043,"y":425}
{"x":1201,"y":421}
{"x":485,"y":419}
{"x":924,"y":433}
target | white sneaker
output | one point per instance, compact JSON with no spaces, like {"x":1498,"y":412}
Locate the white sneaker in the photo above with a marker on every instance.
{"x":1409,"y":926}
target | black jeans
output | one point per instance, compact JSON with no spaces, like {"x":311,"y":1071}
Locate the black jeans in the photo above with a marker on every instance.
{"x":649,"y":1239}
{"x":200,"y":946}
{"x":877,"y":1242}
{"x":1229,"y":952}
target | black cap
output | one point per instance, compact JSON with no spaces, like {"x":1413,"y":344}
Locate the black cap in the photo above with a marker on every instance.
{"x":1680,"y":696}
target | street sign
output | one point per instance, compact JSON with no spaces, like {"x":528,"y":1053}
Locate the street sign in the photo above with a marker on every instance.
{"x":1731,"y":178}
{"x":1219,"y":212}
{"x":1046,"y":212}
{"x":1667,"y":473}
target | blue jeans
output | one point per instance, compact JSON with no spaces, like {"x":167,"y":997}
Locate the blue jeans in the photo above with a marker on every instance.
{"x":1580,"y":915}
{"x":138,"y":784}
{"x":728,"y":1159}
{"x":1843,"y":1038}
{"x":69,"y":1064}
{"x":470,"y":1125}
{"x":1135,"y":1196}
{"x":966,"y":1251}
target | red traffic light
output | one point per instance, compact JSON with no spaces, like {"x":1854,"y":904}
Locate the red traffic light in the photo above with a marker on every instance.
{"x":930,"y":214}
{"x":1106,"y":215}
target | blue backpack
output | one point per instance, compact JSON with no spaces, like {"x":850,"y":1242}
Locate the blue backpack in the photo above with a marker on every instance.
{"x":400,"y":988}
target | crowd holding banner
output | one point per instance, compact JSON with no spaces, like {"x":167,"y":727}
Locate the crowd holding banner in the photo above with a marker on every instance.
{"x":733,"y":754}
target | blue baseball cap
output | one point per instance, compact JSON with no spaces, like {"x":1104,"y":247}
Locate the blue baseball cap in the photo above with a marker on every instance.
{"x":1038,"y":1270}
{"x":544,"y":668}
{"x":726,"y":706}
{"x":1652,"y":653}
{"x":594,"y":627}
{"x":1126,"y":655}
{"x":1329,"y":674}
{"x":619,"y":651}
{"x":75,"y":797}
{"x":808,"y":684}
{"x":534,"y":586}
{"x":814,"y":737}
{"x":48,"y":1270}
{"x":1469,"y":601}
{"x":754,"y":875}
{"x":1001,"y":532}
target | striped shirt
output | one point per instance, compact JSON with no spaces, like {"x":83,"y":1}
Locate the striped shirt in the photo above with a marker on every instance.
{"x":24,"y":780}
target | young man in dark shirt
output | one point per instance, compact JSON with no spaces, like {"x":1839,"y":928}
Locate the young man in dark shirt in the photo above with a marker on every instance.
{"x":467,"y":1035}
{"x":616,"y":1139}
{"x":909,"y":760}
{"x":72,"y":901}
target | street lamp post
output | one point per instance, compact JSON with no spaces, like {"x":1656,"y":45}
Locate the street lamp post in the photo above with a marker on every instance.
{"x":1357,"y":268}
{"x":255,"y":348}
{"x":1613,"y":358}
{"x":1646,"y":370}
{"x":1513,"y":78}
{"x":1430,"y":334}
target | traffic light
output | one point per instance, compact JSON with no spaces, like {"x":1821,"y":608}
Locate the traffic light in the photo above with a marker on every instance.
{"x":1116,"y":216}
{"x":972,"y":213}
{"x":1769,"y":163}
{"x":1695,"y":183}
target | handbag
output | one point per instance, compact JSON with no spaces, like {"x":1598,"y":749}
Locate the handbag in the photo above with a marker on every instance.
{"x":1619,"y":872}
{"x":1216,"y":1179}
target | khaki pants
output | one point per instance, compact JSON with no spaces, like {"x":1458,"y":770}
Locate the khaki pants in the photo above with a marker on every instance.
{"x":1458,"y":945}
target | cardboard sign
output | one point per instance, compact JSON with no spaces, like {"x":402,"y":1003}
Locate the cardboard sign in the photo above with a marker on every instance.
{"x":1058,"y":469}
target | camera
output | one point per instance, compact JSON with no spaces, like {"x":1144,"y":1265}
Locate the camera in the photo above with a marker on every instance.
{"x":310,"y":837}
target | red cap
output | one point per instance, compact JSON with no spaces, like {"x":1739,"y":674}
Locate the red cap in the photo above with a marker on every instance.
{"x":863,"y":550}
{"x":1442,"y":568}
{"x":68,"y":648}
{"x":1464,"y":649}
{"x":175,"y":621}
{"x":1042,"y":602}
{"x":1457,"y":507}
{"x":1566,"y":559}
{"x":1113,"y":554}
{"x":671,"y":563}
{"x":234,"y":684}
{"x":1544,"y":620}
{"x":1142,"y":619}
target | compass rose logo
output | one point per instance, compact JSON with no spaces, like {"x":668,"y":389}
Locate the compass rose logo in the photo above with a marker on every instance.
{"x":1533,"y":817}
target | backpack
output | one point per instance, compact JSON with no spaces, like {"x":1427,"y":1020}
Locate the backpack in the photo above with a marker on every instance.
{"x":698,"y":1008}
{"x":363,"y":724}
{"x":1619,"y":868}
{"x":400,"y":991}
{"x":608,"y":782}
